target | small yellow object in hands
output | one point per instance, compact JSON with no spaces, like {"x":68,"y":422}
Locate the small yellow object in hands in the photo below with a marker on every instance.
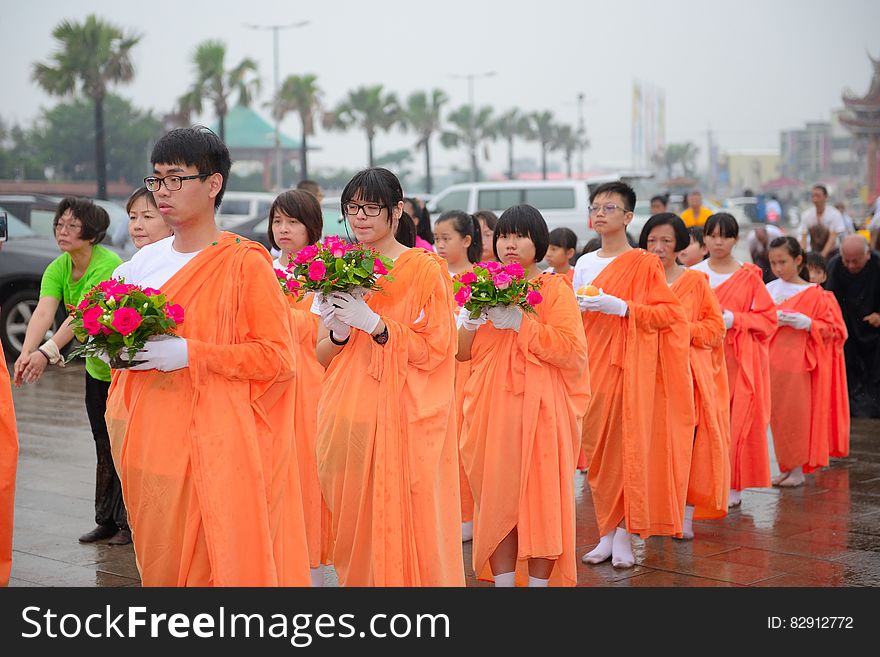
{"x":588,"y":291}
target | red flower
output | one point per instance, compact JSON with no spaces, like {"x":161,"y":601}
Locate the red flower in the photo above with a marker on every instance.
{"x":152,"y":292}
{"x":515,"y":269}
{"x":502,"y":281}
{"x":317,"y":270}
{"x":493,"y":267}
{"x":174,"y":312}
{"x":126,"y":320}
{"x":462,"y":296}
{"x":379,"y":267}
{"x":468,"y":277}
{"x":90,"y":320}
{"x":534,"y":297}
{"x":305,"y":254}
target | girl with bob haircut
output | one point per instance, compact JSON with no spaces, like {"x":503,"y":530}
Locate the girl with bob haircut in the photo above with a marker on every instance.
{"x":296,"y":221}
{"x":750,"y":319}
{"x":523,"y":405}
{"x":665,"y":236}
{"x":800,"y":376}
{"x":386,"y":445}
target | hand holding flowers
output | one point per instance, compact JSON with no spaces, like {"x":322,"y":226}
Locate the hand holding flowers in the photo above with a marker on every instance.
{"x":493,"y":285}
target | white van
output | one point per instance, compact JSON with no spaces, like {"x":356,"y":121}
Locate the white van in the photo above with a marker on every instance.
{"x":563,"y":203}
{"x":238,"y":207}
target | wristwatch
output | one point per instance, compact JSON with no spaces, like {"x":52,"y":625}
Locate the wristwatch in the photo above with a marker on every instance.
{"x":381,"y":338}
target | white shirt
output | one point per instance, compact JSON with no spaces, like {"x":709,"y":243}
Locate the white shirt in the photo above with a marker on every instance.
{"x":831,"y":219}
{"x":715,"y":279}
{"x":154,"y":264}
{"x":782,"y":291}
{"x":588,"y":267}
{"x":772,"y":233}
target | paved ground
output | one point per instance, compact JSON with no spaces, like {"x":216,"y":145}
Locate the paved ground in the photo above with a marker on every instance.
{"x":824,"y":534}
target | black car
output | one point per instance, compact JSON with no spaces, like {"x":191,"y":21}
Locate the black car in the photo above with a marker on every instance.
{"x":23,"y":259}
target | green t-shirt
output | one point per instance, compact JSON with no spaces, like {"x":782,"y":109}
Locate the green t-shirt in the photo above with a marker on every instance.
{"x":57,"y":283}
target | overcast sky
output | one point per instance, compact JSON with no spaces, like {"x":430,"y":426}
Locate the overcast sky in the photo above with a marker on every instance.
{"x":747,"y":69}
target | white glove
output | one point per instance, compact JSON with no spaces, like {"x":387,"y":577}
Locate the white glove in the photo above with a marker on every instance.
{"x":165,"y":353}
{"x":797,"y":321}
{"x":727,"y":316}
{"x":340,"y":329}
{"x":603,"y":303}
{"x":355,"y":312}
{"x":505,"y":317}
{"x":468,"y":324}
{"x":582,"y":303}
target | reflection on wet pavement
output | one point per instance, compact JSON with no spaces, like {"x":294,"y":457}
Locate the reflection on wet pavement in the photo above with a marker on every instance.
{"x":826,"y":533}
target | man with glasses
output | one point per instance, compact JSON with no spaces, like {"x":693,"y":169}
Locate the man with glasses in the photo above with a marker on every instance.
{"x":639,"y":428}
{"x":202,"y":423}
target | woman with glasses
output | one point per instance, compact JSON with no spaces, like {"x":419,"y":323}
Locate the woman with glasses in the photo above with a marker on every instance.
{"x":387,"y":448}
{"x":80,"y":226}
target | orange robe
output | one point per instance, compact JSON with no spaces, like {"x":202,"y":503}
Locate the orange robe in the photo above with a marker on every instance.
{"x":748,"y":373}
{"x":8,"y":461}
{"x":835,"y":362}
{"x":709,"y":480}
{"x":462,"y":373}
{"x":387,"y":448}
{"x":800,"y":382}
{"x":206,"y":454}
{"x":523,"y":409}
{"x":639,"y":428}
{"x":307,"y":383}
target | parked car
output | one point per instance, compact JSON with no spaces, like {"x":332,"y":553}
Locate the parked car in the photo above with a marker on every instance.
{"x":24,"y":257}
{"x":239,"y":207}
{"x":257,"y":228}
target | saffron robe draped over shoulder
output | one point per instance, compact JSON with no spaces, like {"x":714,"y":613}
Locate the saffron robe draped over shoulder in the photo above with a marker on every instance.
{"x":8,"y":464}
{"x":746,"y":349}
{"x":307,"y":383}
{"x":523,"y":407}
{"x":206,"y":454}
{"x":709,"y":481}
{"x":835,"y":360}
{"x":639,"y":429}
{"x":387,"y":447}
{"x":800,"y":409}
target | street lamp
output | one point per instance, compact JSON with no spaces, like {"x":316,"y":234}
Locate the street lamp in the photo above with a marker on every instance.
{"x":275,"y":29}
{"x":470,"y":78}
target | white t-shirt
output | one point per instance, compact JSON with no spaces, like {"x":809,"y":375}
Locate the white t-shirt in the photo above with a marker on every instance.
{"x":715,"y":279}
{"x":782,"y":291}
{"x":588,"y":267}
{"x":831,"y":219}
{"x":154,"y":264}
{"x":772,"y":233}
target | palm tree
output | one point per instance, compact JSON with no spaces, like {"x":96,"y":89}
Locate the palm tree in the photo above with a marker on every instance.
{"x":422,"y":114}
{"x":215,"y":84}
{"x":544,"y":131}
{"x":568,"y":141}
{"x":471,"y":129}
{"x":94,"y":54}
{"x":509,"y":125}
{"x":300,"y":94}
{"x":370,"y":109}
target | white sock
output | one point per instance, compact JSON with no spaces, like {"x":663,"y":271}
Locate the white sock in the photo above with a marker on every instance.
{"x":601,"y":552}
{"x":467,"y":531}
{"x":621,"y":549}
{"x":687,"y":531}
{"x":505,"y":580}
{"x":537,"y":582}
{"x":735,"y":498}
{"x":317,"y":575}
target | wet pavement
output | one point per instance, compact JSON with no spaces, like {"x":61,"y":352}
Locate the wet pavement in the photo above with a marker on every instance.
{"x":826,"y":533}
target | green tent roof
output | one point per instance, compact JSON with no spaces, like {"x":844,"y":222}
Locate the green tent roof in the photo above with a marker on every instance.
{"x":247,"y":129}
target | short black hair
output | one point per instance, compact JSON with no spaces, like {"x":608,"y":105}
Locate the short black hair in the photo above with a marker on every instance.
{"x":592,"y":245}
{"x":814,"y":260}
{"x":423,"y":228}
{"x":660,"y":198}
{"x":564,"y":238}
{"x":466,"y":225}
{"x":696,"y":234}
{"x":309,"y":186}
{"x":374,"y":185}
{"x":197,"y":147}
{"x":821,"y":187}
{"x":627,"y":193}
{"x":487,"y":217}
{"x":527,"y":221}
{"x":725,"y":222}
{"x":301,"y":205}
{"x":140,"y":192}
{"x":682,"y":239}
{"x":94,"y":219}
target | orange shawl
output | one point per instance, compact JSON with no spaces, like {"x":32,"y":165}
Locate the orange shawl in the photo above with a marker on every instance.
{"x":523,"y":408}
{"x":639,"y":428}
{"x":748,"y":373}
{"x":709,"y":481}
{"x":8,"y":461}
{"x":800,"y":385}
{"x":833,"y":359}
{"x":462,"y":374}
{"x":206,"y":454}
{"x":386,"y":446}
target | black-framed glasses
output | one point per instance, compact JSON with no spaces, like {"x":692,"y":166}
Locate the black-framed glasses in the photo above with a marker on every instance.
{"x":172,"y":183}
{"x":370,"y":209}
{"x":607,"y":208}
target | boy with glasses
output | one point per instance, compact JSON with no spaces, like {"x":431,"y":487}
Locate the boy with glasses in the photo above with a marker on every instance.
{"x":202,"y":423}
{"x":639,"y":428}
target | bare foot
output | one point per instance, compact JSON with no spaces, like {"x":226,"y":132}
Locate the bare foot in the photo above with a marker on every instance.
{"x":778,"y":479}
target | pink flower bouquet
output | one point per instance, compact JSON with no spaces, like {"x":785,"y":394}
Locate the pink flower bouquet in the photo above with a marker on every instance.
{"x":115,"y":316}
{"x":494,"y":284}
{"x":334,"y":265}
{"x":289,"y":285}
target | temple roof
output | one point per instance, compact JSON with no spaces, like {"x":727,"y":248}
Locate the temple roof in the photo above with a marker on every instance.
{"x":871,"y":100}
{"x":245,"y":129}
